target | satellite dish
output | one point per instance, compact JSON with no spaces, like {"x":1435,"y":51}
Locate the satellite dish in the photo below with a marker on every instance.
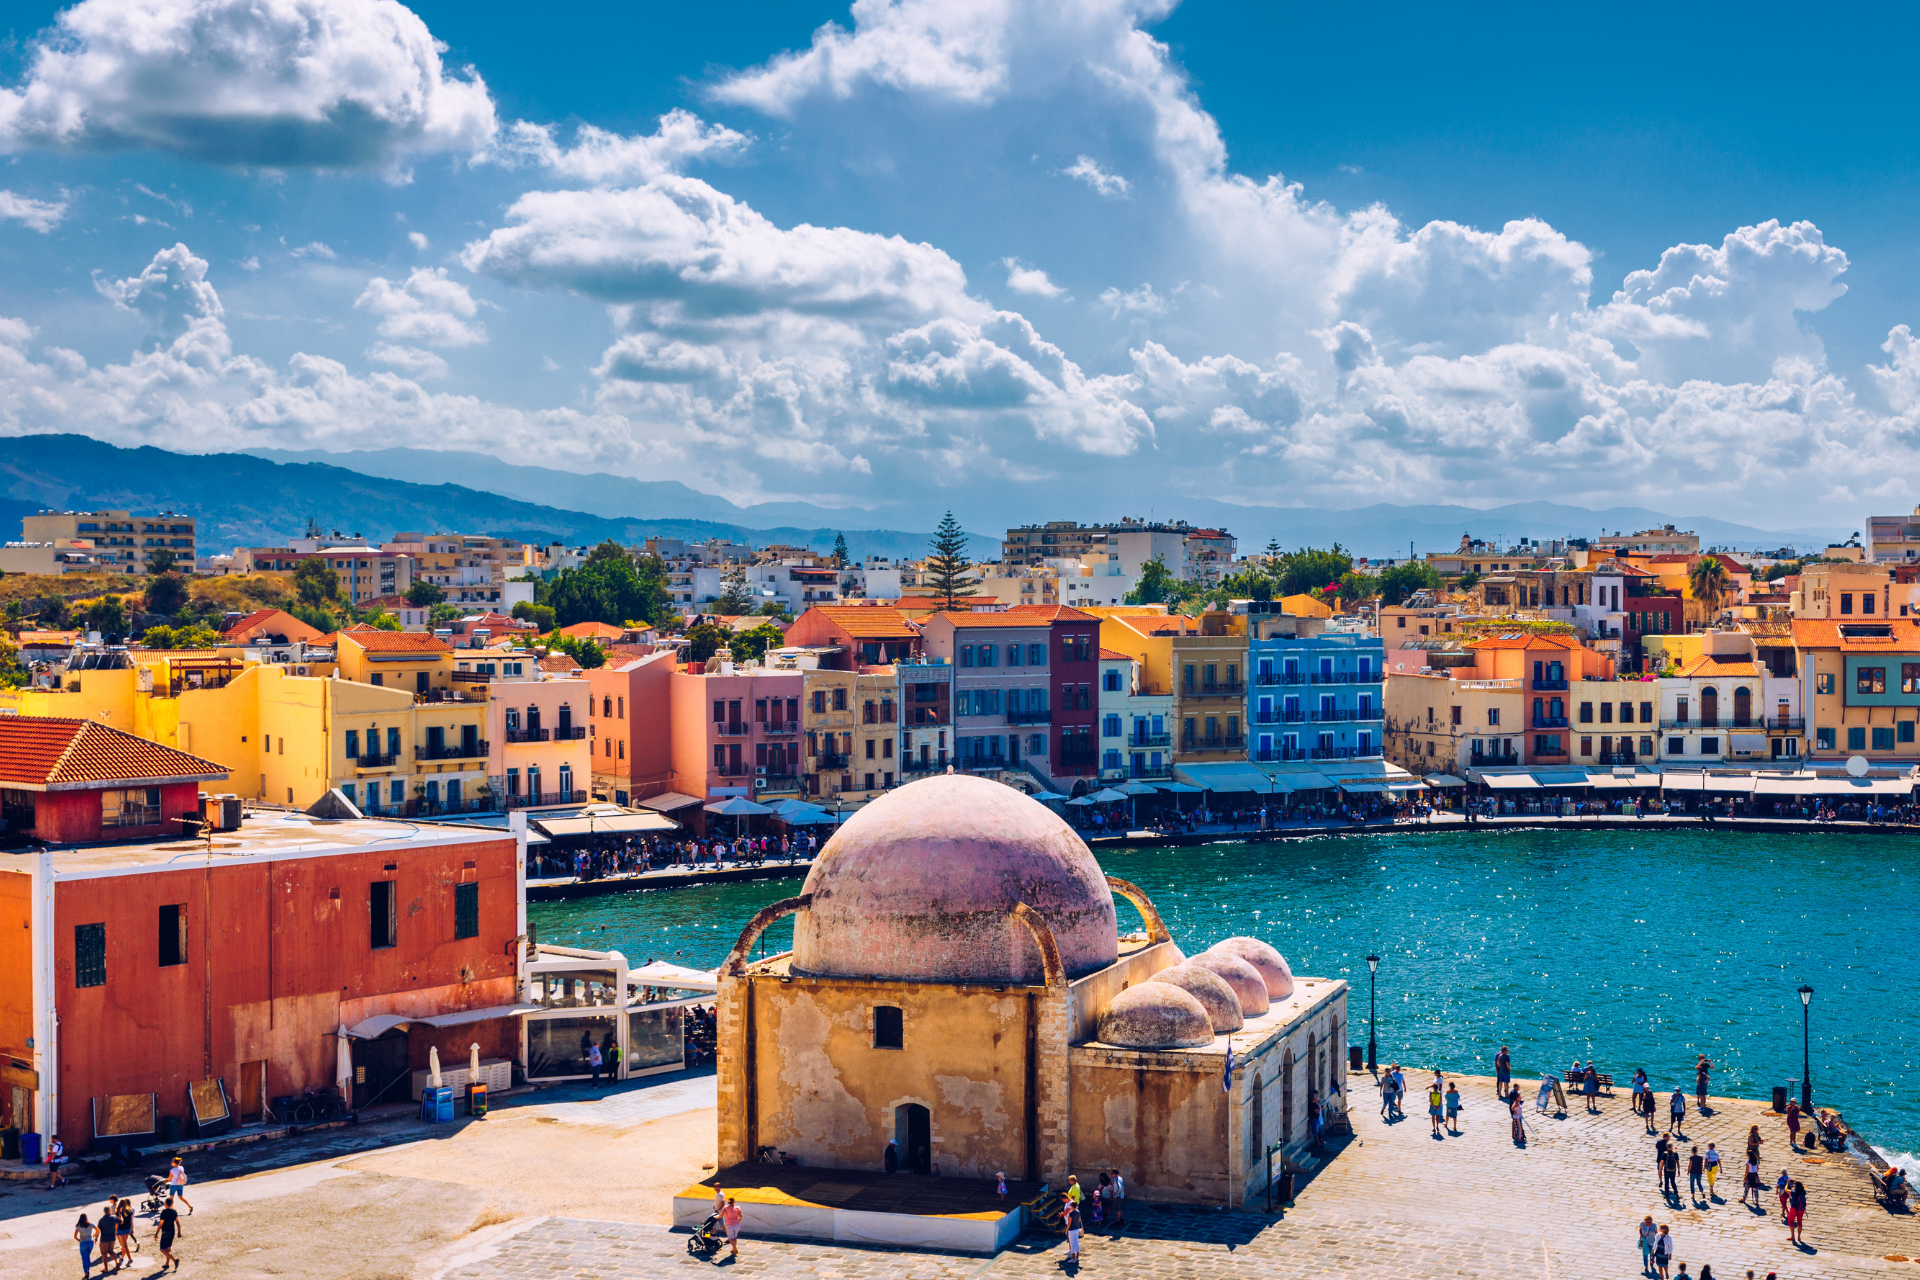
{"x":1857,"y":766}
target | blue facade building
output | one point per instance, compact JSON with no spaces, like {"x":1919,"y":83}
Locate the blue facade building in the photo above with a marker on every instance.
{"x":1315,"y":695}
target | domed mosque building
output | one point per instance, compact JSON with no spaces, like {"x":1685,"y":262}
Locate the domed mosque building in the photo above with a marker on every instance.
{"x":959,"y":1002}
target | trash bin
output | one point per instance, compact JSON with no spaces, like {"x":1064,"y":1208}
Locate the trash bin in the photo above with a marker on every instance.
{"x":1780,"y":1098}
{"x":1286,"y":1188}
{"x":1356,"y":1060}
{"x":170,"y":1128}
{"x":29,"y":1148}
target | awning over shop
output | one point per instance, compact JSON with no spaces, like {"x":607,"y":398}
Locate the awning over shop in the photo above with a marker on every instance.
{"x":1225,"y":775}
{"x":662,"y":974}
{"x":1798,"y":785}
{"x":1510,"y":781}
{"x":617,"y":822}
{"x":1606,"y":781}
{"x":1752,"y":743}
{"x":1561,"y":777}
{"x":668,"y":801}
{"x":1305,"y":780}
{"x":1866,"y":786}
{"x":1444,"y":780}
{"x":381,"y":1023}
{"x":1375,"y":786}
{"x":1713,"y":783}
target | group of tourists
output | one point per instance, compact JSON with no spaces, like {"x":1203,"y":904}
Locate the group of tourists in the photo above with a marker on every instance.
{"x":625,"y":855}
{"x":1106,"y":1207}
{"x":114,"y":1235}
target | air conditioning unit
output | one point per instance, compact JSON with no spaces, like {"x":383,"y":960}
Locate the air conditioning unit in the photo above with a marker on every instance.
{"x":301,"y":669}
{"x":759,"y":768}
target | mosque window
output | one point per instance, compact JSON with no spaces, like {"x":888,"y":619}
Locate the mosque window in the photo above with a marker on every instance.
{"x":887,"y":1029}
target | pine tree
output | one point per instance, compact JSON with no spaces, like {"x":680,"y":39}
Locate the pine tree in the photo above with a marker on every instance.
{"x":736,"y":597}
{"x":839,"y":550}
{"x":947,"y":566}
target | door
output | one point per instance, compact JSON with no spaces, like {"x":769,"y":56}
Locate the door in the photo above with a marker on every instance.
{"x":1709,"y":708}
{"x":251,"y":1103}
{"x":913,"y":1131}
{"x":380,"y":1070}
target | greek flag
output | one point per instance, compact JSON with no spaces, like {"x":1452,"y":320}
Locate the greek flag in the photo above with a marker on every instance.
{"x":1226,"y":1079}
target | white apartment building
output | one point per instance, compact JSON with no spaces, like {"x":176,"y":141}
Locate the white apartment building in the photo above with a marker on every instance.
{"x":1136,"y":724}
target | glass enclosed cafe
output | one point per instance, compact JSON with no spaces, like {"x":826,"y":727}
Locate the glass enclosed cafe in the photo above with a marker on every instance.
{"x":575,"y":999}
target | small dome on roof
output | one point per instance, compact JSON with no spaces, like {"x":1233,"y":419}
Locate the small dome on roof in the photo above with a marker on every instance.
{"x":1266,"y":961}
{"x":919,"y":885}
{"x":1210,"y":989}
{"x":1155,"y":1015}
{"x":1245,"y":980}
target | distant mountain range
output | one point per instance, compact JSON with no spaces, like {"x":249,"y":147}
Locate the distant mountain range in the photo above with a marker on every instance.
{"x":244,"y":500}
{"x":263,"y":497}
{"x":1381,"y":530}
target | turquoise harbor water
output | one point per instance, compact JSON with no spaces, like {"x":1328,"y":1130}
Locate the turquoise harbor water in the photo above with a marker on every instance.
{"x":1630,"y":949}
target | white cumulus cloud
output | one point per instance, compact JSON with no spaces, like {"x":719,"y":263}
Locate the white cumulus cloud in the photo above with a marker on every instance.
{"x":604,"y":158}
{"x":328,"y":83}
{"x":427,"y":308}
{"x":1088,"y":170}
{"x":37,"y":215}
{"x":1030,"y":280}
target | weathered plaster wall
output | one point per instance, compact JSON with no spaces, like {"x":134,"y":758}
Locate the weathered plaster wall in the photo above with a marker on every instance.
{"x":827,"y":1095}
{"x":1159,"y":1118}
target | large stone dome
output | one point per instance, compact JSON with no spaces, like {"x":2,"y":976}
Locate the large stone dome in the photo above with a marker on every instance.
{"x":919,"y":883}
{"x":1155,"y":1015}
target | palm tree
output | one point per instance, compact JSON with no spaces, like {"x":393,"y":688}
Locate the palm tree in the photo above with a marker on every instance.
{"x":1708,"y":578}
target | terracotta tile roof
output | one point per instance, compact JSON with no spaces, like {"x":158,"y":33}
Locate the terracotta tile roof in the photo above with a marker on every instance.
{"x":593,"y":631}
{"x":1888,"y":635}
{"x":1114,"y":655}
{"x":868,"y":622}
{"x":1526,"y":642}
{"x":1005,"y":618}
{"x":1054,"y":612}
{"x":253,"y":619}
{"x":1721,"y":664}
{"x":396,"y":641}
{"x":939,"y":603}
{"x":47,"y":754}
{"x":558,"y":662}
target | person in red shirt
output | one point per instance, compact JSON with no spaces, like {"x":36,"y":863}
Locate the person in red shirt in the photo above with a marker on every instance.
{"x":730,"y":1219}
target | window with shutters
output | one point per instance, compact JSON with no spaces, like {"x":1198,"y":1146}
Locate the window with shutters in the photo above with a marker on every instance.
{"x":90,"y":955}
{"x":466,"y":911}
{"x":384,"y":931}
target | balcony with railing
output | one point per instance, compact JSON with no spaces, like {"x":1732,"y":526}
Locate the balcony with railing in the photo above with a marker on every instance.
{"x":777,"y":782}
{"x":1280,"y":677}
{"x":921,"y":768}
{"x":569,"y":732}
{"x":1348,"y":677}
{"x":1615,"y":758}
{"x":732,"y":728}
{"x":1214,"y":689}
{"x":1150,"y":740}
{"x":1786,"y":724}
{"x":1348,"y":713}
{"x":1550,"y":722}
{"x":1030,"y":717}
{"x":375,"y":760}
{"x":831,"y":760}
{"x":1279,"y":717}
{"x":1147,"y":771}
{"x":1550,"y":685}
{"x":534,"y":799}
{"x":1213,"y":742}
{"x":474,"y":750}
{"x":528,"y":735}
{"x":1273,"y":755}
{"x":1493,"y":759}
{"x":1341,"y":753}
{"x":780,"y":728}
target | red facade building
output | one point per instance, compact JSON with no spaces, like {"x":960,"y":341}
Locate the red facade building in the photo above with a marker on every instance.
{"x":1074,"y":649}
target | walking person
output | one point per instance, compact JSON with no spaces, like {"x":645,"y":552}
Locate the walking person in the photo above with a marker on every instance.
{"x":1700,"y":1074}
{"x":1670,"y":1172}
{"x":83,"y":1235}
{"x":1793,"y":1123}
{"x":1517,"y":1110}
{"x":1713,"y":1169}
{"x":1119,"y":1200}
{"x":1639,"y":1089}
{"x":56,"y":1158}
{"x":1696,"y":1175}
{"x":1662,"y":1252}
{"x":177,"y":1183}
{"x":730,"y":1219}
{"x":1648,"y":1234}
{"x":1436,"y":1102}
{"x":128,"y":1243}
{"x":108,"y":1229}
{"x":1502,"y":1071}
{"x":1782,"y":1186}
{"x":1750,"y":1182}
{"x":1073,"y":1231}
{"x":1453,"y":1109}
{"x":1677,"y":1113}
{"x":1399,"y":1091}
{"x":165,"y":1228}
{"x":593,"y":1065}
{"x":1660,"y":1157}
{"x":1797,"y":1212}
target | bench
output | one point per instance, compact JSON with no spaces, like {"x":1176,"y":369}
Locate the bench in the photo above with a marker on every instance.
{"x":1577,"y":1087}
{"x":1891,"y":1199}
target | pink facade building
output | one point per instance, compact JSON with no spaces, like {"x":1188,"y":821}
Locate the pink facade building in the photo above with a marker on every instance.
{"x":735,"y":734}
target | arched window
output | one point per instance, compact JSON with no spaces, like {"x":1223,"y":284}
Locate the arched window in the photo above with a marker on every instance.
{"x":1743,"y":706}
{"x":1286,"y":1097}
{"x":1709,"y":707}
{"x":1313,"y":1064}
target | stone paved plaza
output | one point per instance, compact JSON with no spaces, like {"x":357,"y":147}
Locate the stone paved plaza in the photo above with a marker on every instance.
{"x":1396,"y":1201}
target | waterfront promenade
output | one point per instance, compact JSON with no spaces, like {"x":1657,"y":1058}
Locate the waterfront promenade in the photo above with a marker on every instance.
{"x":1394,"y":1202}
{"x":561,"y":888}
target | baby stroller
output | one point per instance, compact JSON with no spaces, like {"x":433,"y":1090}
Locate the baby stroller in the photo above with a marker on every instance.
{"x":708,"y":1237}
{"x":157,"y":1195}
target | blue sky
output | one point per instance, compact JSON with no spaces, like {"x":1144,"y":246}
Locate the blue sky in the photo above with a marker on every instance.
{"x":1027,"y":260}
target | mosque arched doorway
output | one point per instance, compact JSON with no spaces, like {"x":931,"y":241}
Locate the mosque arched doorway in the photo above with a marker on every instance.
{"x":913,"y":1131}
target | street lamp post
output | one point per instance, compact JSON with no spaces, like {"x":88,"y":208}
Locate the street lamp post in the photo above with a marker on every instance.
{"x":1373,"y":1055}
{"x":1806,"y":1052}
